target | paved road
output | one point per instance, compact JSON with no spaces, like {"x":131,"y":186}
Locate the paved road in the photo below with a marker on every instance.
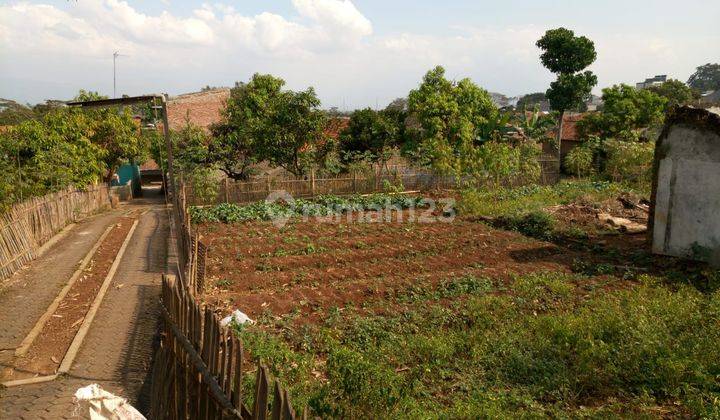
{"x":117,"y":351}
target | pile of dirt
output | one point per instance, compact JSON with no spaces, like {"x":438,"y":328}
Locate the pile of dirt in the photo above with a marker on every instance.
{"x":625,"y":213}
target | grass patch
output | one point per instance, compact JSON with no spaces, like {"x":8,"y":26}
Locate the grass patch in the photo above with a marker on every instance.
{"x":540,"y":345}
{"x":518,"y":201}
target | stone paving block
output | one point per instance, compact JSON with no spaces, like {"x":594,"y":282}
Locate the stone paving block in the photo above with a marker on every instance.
{"x":118,"y":348}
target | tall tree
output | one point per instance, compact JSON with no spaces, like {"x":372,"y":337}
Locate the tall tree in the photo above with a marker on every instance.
{"x":447,"y":118}
{"x":370,"y":133}
{"x":263,"y":122}
{"x":567,"y":56}
{"x":706,"y":78}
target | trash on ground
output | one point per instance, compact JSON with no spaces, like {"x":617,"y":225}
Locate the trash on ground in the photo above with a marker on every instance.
{"x":97,"y":404}
{"x":238,"y":317}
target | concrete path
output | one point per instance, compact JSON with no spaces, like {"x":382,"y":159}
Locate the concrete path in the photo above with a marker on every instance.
{"x":117,"y":351}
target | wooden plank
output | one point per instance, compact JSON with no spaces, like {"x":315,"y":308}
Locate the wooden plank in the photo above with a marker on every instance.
{"x":237,"y":379}
{"x":261,"y":394}
{"x":213,"y":388}
{"x":278,"y":402}
{"x":287,"y":411}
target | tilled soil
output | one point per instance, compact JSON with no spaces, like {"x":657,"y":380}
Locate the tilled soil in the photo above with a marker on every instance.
{"x":48,"y":349}
{"x":309,"y":266}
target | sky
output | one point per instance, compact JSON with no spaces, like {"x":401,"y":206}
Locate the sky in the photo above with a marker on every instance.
{"x":355,"y":53}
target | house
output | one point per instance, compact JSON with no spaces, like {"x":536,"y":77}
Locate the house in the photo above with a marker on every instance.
{"x":202,"y":109}
{"x":570,"y":135}
{"x":652,"y":81}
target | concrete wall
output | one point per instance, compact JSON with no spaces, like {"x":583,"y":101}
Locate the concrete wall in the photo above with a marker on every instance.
{"x":685,"y":219}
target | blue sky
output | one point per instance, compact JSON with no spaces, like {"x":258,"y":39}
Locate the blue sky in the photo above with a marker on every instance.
{"x":356,"y":53}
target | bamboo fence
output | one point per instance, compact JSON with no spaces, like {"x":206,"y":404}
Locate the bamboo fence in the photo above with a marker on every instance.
{"x":26,"y":226}
{"x":410,"y":179}
{"x":199,"y":365}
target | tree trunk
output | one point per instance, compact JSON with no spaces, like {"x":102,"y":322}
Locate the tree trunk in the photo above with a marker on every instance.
{"x":559,"y":142}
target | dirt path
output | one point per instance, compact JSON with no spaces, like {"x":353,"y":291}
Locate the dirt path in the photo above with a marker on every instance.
{"x":117,"y":351}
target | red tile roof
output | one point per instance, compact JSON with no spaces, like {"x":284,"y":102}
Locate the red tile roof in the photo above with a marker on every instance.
{"x":202,"y":108}
{"x":335,"y":126}
{"x":570,"y":130}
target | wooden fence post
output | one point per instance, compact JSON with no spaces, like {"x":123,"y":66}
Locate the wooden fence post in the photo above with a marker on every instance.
{"x":312,"y":182}
{"x":354,"y":174}
{"x":227,"y":190}
{"x":267,"y":183}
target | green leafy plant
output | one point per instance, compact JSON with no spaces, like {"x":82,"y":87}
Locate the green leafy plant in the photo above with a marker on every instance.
{"x":629,"y":161}
{"x":579,"y":161}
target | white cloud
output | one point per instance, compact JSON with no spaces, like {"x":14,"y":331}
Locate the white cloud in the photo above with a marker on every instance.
{"x":52,"y":51}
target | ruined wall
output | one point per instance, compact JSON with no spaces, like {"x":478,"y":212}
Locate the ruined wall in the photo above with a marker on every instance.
{"x":685,"y":218}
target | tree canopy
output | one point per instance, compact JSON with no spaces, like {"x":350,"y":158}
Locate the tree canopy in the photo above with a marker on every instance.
{"x":676,"y":92}
{"x":567,"y":55}
{"x":449,"y":116}
{"x":370,"y":134}
{"x":263,"y":122}
{"x":65,"y":146}
{"x":625,"y":112}
{"x":706,"y":78}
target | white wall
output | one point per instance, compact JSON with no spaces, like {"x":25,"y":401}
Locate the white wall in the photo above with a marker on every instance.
{"x":687,"y":199}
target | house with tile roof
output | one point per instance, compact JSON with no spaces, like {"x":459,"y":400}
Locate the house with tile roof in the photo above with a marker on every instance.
{"x":570,"y":135}
{"x":202,"y":109}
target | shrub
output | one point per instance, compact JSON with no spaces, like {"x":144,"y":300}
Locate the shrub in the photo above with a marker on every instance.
{"x":629,"y":161}
{"x":205,"y":184}
{"x":579,"y":161}
{"x":536,"y":224}
{"x":324,"y":205}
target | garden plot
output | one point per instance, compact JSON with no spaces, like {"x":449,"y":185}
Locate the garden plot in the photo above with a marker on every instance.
{"x":457,"y":319}
{"x":309,"y":266}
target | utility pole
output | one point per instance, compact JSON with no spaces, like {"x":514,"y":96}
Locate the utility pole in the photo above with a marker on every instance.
{"x":116,"y":54}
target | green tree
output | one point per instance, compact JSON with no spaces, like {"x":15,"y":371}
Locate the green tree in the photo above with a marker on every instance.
{"x":190,"y":148}
{"x":41,"y":156}
{"x":296,"y":132}
{"x":447,"y":117}
{"x":567,"y":55}
{"x":88,"y":95}
{"x":626,"y":112}
{"x":706,"y":78}
{"x":370,"y":133}
{"x":263,"y":122}
{"x":12,"y":113}
{"x":676,"y":92}
{"x":117,"y":133}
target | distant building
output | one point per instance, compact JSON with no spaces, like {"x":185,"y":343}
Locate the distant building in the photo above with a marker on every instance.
{"x":594,"y":103}
{"x":652,"y":81}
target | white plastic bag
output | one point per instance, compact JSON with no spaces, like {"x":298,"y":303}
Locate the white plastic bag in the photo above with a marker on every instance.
{"x":97,"y":404}
{"x":239,"y":317}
